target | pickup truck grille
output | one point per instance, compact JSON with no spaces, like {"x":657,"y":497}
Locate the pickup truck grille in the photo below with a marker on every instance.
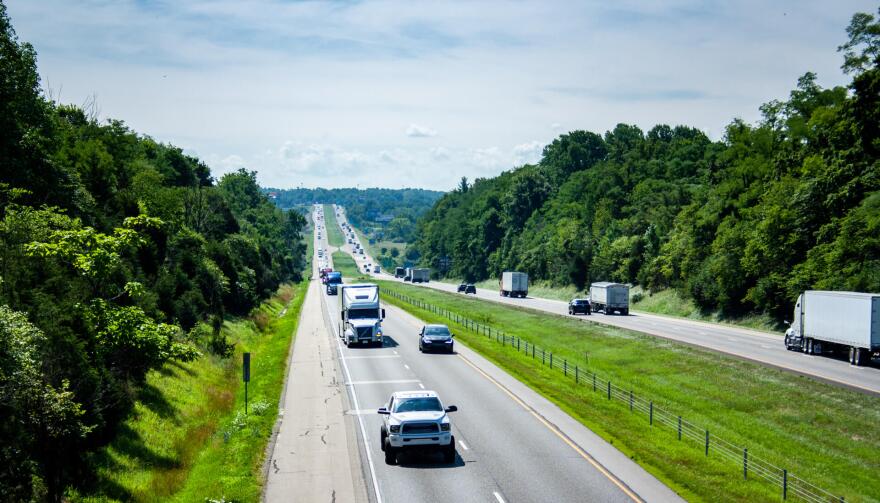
{"x":364,"y":332}
{"x":419,"y":428}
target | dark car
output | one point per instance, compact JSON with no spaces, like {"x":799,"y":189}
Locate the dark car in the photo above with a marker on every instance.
{"x":435,"y":338}
{"x":332,"y":289}
{"x":470,"y":288}
{"x":579,"y":306}
{"x":462,"y":288}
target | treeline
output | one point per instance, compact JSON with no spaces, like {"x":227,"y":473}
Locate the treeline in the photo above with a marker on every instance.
{"x":741,"y":225}
{"x":386,"y":214}
{"x":117,"y":255}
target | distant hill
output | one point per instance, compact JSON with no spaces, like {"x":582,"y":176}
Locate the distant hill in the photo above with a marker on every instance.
{"x":387,"y":214}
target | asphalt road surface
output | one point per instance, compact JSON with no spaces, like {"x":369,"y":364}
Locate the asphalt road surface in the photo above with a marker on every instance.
{"x":512,"y":444}
{"x":752,"y":345}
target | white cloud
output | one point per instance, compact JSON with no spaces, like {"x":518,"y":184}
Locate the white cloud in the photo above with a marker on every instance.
{"x":527,"y":153}
{"x":416,"y":131}
{"x":234,"y":81}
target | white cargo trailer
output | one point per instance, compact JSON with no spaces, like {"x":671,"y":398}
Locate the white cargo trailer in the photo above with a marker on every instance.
{"x":361,"y":314}
{"x":609,"y":297}
{"x":827,"y":322}
{"x":421,"y":275}
{"x":514,"y":284}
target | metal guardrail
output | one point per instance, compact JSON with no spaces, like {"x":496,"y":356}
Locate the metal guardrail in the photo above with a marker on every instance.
{"x":790,"y":486}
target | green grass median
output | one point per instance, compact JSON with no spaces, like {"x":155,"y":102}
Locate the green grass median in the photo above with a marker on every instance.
{"x":824,"y":434}
{"x":334,"y":233}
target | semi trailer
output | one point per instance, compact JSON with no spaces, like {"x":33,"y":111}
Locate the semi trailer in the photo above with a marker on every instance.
{"x":514,"y":284}
{"x":609,"y":297}
{"x":836,"y":322}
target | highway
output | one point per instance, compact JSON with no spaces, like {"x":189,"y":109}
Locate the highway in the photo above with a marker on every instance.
{"x":512,"y":445}
{"x":743,"y":343}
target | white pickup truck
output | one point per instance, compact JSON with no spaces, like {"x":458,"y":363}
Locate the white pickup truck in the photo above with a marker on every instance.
{"x":416,"y":420}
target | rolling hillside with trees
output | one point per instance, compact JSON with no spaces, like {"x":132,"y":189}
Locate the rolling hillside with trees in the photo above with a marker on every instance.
{"x":113,"y":247}
{"x":740,"y":225}
{"x":385,"y":214}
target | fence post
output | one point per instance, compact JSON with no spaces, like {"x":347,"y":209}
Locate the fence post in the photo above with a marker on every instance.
{"x":533,"y":351}
{"x":679,"y":427}
{"x":565,"y":367}
{"x":609,"y":390}
{"x":551,"y":359}
{"x":707,"y":442}
{"x":784,"y":484}
{"x":651,"y":414}
{"x":630,"y":400}
{"x":745,"y":463}
{"x":594,"y":381}
{"x":517,"y":344}
{"x":576,"y":378}
{"x":542,"y":358}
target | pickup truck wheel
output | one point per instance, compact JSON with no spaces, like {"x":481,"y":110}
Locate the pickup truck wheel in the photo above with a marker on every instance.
{"x":449,"y":452}
{"x":382,"y":436}
{"x":390,"y":453}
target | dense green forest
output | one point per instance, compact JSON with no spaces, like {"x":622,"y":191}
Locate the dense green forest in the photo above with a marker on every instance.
{"x":113,"y":250}
{"x":385,"y":214}
{"x":739,"y":225}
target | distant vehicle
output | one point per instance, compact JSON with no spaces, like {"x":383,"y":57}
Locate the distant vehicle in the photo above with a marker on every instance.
{"x":416,"y":420}
{"x":407,"y":277}
{"x":829,"y":322}
{"x":420,"y":275}
{"x":462,"y":287}
{"x":376,"y":269}
{"x":361,"y":314}
{"x":514,"y":284}
{"x":334,"y":278}
{"x":467,"y":288}
{"x":399,"y":272}
{"x":579,"y":306}
{"x":609,"y":297}
{"x":361,"y":252}
{"x":435,"y":338}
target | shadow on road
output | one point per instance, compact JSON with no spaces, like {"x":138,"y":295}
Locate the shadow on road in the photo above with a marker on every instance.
{"x":426,"y":460}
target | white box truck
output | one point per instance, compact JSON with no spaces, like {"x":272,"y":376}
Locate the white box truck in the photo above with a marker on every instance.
{"x":609,"y":297}
{"x":361,"y":314}
{"x":828,"y":322}
{"x":514,"y":284}
{"x":421,"y":275}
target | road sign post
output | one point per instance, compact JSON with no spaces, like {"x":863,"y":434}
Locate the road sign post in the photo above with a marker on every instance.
{"x":246,"y":377}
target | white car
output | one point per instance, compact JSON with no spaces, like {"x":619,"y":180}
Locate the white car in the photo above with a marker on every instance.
{"x":416,"y":420}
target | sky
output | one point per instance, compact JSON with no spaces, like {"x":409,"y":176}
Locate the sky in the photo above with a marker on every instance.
{"x":419,"y":94}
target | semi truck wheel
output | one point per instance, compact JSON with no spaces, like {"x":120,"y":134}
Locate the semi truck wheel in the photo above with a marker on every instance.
{"x":809,"y":346}
{"x":852,"y":355}
{"x":860,"y":357}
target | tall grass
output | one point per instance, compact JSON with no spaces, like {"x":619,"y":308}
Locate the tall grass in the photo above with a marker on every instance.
{"x":825,"y":434}
{"x":188,"y":437}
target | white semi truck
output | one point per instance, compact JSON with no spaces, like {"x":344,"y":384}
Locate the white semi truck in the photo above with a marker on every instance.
{"x":609,"y":297}
{"x":419,"y":275}
{"x":361,"y":314}
{"x":827,"y":322}
{"x":514,"y":284}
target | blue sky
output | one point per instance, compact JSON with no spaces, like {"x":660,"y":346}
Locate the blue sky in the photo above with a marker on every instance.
{"x":419,"y":94}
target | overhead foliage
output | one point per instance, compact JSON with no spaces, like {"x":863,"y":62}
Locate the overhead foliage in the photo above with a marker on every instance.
{"x":739,"y":225}
{"x":112,"y":248}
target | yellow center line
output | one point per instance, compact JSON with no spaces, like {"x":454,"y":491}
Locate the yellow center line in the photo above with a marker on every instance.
{"x":610,"y":476}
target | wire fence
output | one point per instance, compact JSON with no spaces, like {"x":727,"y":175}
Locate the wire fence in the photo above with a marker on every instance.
{"x":790,"y":486}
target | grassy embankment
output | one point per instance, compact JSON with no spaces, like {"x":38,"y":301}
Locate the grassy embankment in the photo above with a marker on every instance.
{"x":824,"y":434}
{"x":188,"y":438}
{"x":343,"y":263}
{"x":334,"y":233}
{"x":665,"y":302}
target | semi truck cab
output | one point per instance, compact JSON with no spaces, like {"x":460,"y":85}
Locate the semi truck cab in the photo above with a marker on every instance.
{"x":361,"y":314}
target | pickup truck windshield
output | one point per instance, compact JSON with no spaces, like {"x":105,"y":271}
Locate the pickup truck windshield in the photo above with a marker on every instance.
{"x":422,"y":404}
{"x":355,"y":314}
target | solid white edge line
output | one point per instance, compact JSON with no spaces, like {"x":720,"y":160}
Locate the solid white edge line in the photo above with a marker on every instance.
{"x":406,"y":366}
{"x":354,"y":400}
{"x":463,"y":445}
{"x":498,"y":497}
{"x":421,"y":385}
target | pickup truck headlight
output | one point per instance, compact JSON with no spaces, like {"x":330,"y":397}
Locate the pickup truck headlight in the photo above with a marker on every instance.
{"x":394,"y":428}
{"x":444,"y":427}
